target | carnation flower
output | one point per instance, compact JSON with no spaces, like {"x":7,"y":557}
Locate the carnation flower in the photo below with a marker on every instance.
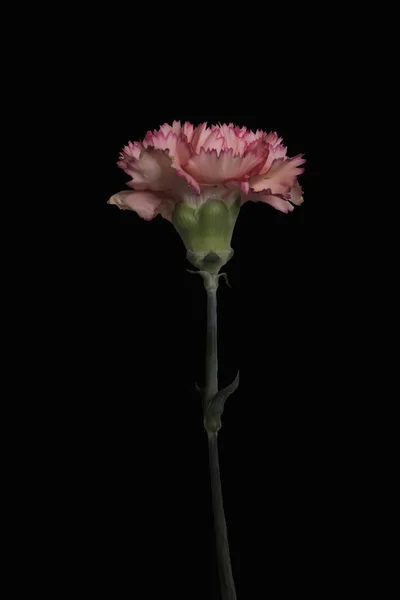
{"x":178,"y":169}
{"x":198,"y":178}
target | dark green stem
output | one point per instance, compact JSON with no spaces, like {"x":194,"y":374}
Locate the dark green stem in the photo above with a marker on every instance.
{"x":212,"y":424}
{"x":211,"y":386}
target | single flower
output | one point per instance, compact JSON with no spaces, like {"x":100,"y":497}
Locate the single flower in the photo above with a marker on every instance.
{"x":198,"y":178}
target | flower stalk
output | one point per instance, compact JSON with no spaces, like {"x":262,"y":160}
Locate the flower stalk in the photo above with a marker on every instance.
{"x":227,"y":584}
{"x":213,"y":406}
{"x":198,"y":178}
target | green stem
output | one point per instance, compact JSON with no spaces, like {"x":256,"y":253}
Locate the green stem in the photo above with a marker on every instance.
{"x":211,"y":387}
{"x":227,"y":584}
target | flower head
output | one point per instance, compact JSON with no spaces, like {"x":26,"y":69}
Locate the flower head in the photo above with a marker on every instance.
{"x":199,"y":177}
{"x":181,"y":163}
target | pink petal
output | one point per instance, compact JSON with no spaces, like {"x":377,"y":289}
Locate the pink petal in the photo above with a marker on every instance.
{"x":241,"y":147}
{"x":165,"y":129}
{"x":278,"y":203}
{"x":176,"y":157}
{"x":214,"y":141}
{"x":296,"y":194}
{"x":145,"y":203}
{"x":280,"y":178}
{"x":183,"y":153}
{"x":274,"y":153}
{"x":151,"y":171}
{"x":183,"y":150}
{"x":234,"y":140}
{"x":231,"y":139}
{"x":188,"y":130}
{"x":161,"y":142}
{"x":176,"y":127}
{"x":129,"y":152}
{"x":250,"y":136}
{"x":191,"y":181}
{"x":240,"y":132}
{"x":200,"y":134}
{"x":209,"y":167}
{"x":273,"y":139}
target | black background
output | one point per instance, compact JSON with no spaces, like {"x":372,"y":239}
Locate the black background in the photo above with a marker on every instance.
{"x":143,"y":463}
{"x":117,"y":485}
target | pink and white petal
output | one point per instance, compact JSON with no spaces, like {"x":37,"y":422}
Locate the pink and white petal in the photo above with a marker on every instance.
{"x":161,"y":142}
{"x":278,"y":203}
{"x":250,"y":137}
{"x":273,"y":139}
{"x":127,"y":164}
{"x":296,"y":194}
{"x":233,"y":140}
{"x":182,"y":156}
{"x":146,"y":204}
{"x":200,"y":135}
{"x":183,"y":151}
{"x":245,"y":187}
{"x":132,"y":150}
{"x":176,"y":127}
{"x":129,"y":155}
{"x":213,"y":168}
{"x":189,"y":179}
{"x":242,"y":187}
{"x":253,"y":158}
{"x":214,"y":141}
{"x":208,"y":166}
{"x":239,"y":144}
{"x":230,"y":137}
{"x":240,"y":131}
{"x":280,"y":178}
{"x":152,"y":170}
{"x":148,"y":141}
{"x":274,"y":153}
{"x":165,"y":129}
{"x":241,"y":147}
{"x":188,"y":131}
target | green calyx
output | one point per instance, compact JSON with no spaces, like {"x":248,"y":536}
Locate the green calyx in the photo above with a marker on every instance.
{"x":207,"y":231}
